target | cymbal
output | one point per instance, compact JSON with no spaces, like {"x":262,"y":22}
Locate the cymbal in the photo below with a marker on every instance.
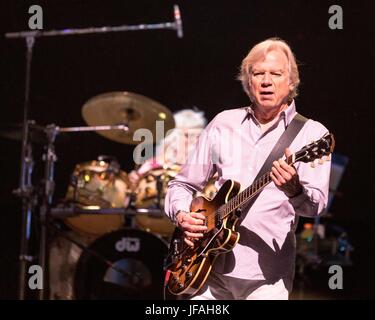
{"x":133,"y":110}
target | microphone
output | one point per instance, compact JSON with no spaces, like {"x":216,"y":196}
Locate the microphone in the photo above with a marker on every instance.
{"x":178,"y":21}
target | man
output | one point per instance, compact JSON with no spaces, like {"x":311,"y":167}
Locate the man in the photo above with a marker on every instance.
{"x":235,"y":145}
{"x":174,"y":149}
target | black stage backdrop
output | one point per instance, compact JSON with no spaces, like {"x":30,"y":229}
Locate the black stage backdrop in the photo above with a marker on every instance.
{"x":198,"y":70}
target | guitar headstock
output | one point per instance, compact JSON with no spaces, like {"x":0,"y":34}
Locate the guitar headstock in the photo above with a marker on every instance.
{"x":316,"y":149}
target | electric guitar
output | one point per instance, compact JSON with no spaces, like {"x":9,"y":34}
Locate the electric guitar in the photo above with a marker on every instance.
{"x":187,"y":268}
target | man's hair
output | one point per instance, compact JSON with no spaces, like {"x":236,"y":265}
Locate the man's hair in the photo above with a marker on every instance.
{"x":259,"y":52}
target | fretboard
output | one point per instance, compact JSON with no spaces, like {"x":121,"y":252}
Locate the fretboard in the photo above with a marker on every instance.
{"x":247,"y":194}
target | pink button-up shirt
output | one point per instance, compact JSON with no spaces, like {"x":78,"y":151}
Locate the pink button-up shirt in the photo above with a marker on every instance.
{"x":234,"y":147}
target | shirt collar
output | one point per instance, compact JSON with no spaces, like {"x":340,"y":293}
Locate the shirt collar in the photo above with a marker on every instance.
{"x":287,"y":114}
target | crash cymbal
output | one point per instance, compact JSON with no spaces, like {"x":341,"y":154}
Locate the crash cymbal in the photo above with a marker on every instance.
{"x":131,"y":109}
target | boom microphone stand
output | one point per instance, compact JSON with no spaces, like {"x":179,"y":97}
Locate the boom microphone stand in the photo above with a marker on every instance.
{"x":25,"y":190}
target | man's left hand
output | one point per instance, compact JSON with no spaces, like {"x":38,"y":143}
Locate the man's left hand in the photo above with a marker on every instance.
{"x":286,"y":177}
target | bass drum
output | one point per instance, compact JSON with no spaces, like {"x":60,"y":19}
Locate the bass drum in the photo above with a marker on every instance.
{"x":137,"y":259}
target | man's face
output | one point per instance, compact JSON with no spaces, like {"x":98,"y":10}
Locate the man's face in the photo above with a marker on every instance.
{"x":269,"y":80}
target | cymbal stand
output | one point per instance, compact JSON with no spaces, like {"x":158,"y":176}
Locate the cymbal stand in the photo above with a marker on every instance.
{"x":49,"y":157}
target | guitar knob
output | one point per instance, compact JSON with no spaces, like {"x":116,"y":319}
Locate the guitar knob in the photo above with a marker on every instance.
{"x":180,"y":285}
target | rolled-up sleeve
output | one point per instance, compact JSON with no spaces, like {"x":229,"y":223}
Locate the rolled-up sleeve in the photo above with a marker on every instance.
{"x":193,"y":176}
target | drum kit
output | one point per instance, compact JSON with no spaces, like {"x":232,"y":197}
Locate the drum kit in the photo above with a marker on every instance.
{"x":108,"y":237}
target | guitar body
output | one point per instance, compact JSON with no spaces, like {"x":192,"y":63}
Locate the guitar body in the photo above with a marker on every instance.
{"x":190,"y":267}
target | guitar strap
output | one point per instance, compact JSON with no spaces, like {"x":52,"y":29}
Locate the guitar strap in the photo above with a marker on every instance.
{"x":277,"y":152}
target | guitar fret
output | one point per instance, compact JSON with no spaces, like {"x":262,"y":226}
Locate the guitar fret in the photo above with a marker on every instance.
{"x":241,"y":198}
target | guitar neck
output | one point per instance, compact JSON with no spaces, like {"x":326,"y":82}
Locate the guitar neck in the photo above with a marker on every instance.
{"x":247,"y":194}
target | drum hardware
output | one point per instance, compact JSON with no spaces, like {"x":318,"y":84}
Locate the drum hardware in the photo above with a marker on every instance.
{"x":71,"y":210}
{"x":26,"y":191}
{"x":14,"y":132}
{"x":74,"y":183}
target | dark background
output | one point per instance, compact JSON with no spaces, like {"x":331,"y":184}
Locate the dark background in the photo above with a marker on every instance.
{"x":197,"y":70}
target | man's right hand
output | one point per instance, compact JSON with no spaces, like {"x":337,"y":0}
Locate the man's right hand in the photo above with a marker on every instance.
{"x":192,"y":224}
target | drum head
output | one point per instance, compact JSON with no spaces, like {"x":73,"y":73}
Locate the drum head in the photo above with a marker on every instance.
{"x":137,"y":258}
